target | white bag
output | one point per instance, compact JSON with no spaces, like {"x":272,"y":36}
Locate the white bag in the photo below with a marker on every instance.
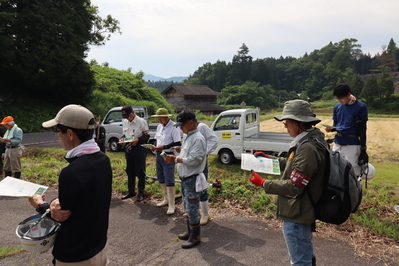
{"x":200,"y":183}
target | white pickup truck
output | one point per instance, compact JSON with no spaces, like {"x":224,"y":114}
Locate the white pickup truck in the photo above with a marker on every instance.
{"x":238,"y":132}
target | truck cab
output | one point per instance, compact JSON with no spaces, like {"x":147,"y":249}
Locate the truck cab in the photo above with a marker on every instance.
{"x":238,"y":132}
{"x":112,"y":123}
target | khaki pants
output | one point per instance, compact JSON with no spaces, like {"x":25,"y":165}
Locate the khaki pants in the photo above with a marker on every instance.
{"x":101,"y":259}
{"x":12,"y":160}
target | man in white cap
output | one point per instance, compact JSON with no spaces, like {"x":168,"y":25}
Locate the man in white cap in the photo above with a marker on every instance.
{"x":167,"y":136}
{"x":304,"y":170}
{"x":12,"y":140}
{"x":84,"y":193}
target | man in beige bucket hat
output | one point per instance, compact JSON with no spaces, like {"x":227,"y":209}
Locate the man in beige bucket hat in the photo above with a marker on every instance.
{"x":167,"y":136}
{"x":304,"y":169}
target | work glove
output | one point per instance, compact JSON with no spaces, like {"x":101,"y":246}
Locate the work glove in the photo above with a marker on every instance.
{"x":363,"y":158}
{"x":260,"y":154}
{"x":256,"y":179}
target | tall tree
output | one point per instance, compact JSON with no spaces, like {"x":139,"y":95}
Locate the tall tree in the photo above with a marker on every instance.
{"x":46,"y":43}
{"x":241,"y":67}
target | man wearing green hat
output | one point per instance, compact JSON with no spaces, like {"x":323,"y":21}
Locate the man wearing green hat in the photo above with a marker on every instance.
{"x":167,"y":136}
{"x":304,"y":170}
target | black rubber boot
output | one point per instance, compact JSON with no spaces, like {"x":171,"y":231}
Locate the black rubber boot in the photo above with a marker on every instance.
{"x":17,"y":175}
{"x":186,"y":235}
{"x":195,"y":238}
{"x":313,"y":260}
{"x":7,"y":173}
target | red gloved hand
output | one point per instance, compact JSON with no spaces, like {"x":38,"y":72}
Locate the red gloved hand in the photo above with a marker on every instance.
{"x":261,"y":154}
{"x":256,"y":180}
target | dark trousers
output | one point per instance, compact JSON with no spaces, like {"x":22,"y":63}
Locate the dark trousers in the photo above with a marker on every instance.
{"x":135,"y":166}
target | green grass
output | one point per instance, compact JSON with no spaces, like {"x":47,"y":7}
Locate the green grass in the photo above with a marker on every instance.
{"x":8,"y":251}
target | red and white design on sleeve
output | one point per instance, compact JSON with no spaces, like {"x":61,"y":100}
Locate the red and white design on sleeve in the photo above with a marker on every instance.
{"x":299,"y":179}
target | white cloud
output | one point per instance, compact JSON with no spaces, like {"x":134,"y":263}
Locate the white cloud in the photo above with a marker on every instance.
{"x":175,"y":37}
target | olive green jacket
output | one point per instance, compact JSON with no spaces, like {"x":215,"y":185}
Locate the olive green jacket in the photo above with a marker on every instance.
{"x":293,"y":203}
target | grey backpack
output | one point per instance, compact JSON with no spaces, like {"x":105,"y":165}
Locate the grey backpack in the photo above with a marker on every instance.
{"x":342,"y":189}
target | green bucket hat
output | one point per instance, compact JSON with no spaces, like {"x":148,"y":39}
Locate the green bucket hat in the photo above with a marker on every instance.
{"x":298,"y":110}
{"x":162,"y":112}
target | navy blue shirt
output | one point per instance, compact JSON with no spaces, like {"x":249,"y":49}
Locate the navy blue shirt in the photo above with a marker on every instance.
{"x":345,"y":117}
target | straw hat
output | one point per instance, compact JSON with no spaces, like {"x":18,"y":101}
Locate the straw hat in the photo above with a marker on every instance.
{"x":162,"y":112}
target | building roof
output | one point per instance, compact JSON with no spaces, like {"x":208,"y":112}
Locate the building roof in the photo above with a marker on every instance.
{"x":192,"y":90}
{"x":202,"y":107}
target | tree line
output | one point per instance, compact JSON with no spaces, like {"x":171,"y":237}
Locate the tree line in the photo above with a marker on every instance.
{"x":264,"y":82}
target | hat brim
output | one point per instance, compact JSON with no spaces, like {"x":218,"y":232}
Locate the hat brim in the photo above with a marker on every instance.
{"x":297,"y":118}
{"x":50,"y":123}
{"x":161,"y":115}
{"x":178,"y":124}
{"x":125,"y":116}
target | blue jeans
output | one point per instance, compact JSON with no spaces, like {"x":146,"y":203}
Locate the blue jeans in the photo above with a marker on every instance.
{"x":165,"y":172}
{"x":191,"y":199}
{"x":298,"y":238}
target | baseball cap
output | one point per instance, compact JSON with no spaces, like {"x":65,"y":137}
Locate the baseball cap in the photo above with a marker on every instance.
{"x":183,"y":117}
{"x":73,"y":116}
{"x":126,"y":110}
{"x":7,"y":120}
{"x":298,"y":110}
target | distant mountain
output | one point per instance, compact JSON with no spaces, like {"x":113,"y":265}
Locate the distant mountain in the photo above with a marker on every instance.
{"x":155,"y":78}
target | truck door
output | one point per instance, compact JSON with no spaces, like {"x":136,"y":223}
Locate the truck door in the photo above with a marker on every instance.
{"x":227,"y":129}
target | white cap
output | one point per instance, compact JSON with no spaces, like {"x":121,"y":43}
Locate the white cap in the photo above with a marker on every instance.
{"x":73,"y":116}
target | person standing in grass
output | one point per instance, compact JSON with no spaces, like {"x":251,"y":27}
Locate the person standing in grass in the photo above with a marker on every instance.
{"x":167,"y":136}
{"x":350,"y":122}
{"x":12,"y":140}
{"x":136,"y":128}
{"x":303,"y":175}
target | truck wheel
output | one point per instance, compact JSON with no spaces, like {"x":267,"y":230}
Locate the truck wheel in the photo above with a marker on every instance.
{"x":113,"y":145}
{"x":226,"y":157}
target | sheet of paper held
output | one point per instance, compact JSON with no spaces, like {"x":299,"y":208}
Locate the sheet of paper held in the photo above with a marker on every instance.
{"x":260,"y":165}
{"x":14,"y":187}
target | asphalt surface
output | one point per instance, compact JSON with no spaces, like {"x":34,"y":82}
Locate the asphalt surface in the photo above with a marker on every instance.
{"x":44,"y":139}
{"x":142,"y":234}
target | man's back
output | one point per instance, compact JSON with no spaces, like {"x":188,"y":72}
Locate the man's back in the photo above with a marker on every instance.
{"x":85,"y":187}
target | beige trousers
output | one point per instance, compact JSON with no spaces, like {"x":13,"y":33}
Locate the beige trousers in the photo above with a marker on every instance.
{"x":101,"y":259}
{"x":12,"y":160}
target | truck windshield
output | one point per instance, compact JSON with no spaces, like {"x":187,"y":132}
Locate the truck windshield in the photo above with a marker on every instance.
{"x":112,"y":117}
{"x":228,"y":122}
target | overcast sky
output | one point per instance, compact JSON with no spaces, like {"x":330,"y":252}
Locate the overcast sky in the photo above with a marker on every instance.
{"x":169,"y":38}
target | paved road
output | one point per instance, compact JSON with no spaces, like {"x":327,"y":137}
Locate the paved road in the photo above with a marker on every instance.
{"x":41,"y":139}
{"x":142,"y":234}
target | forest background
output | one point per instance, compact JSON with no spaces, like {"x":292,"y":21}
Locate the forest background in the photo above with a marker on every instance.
{"x":43,"y":70}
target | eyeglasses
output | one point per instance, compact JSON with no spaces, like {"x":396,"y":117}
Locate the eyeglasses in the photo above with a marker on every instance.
{"x":56,"y":132}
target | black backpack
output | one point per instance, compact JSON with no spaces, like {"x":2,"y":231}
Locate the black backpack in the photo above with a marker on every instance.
{"x":342,"y":190}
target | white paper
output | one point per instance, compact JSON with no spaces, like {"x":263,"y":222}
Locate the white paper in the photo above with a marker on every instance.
{"x":14,"y":187}
{"x":261,"y":165}
{"x":148,"y":146}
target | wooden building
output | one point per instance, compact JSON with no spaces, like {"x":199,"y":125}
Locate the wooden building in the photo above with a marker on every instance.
{"x":193,"y":97}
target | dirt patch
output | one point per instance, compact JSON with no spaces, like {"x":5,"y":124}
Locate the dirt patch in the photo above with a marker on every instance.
{"x":382,"y":136}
